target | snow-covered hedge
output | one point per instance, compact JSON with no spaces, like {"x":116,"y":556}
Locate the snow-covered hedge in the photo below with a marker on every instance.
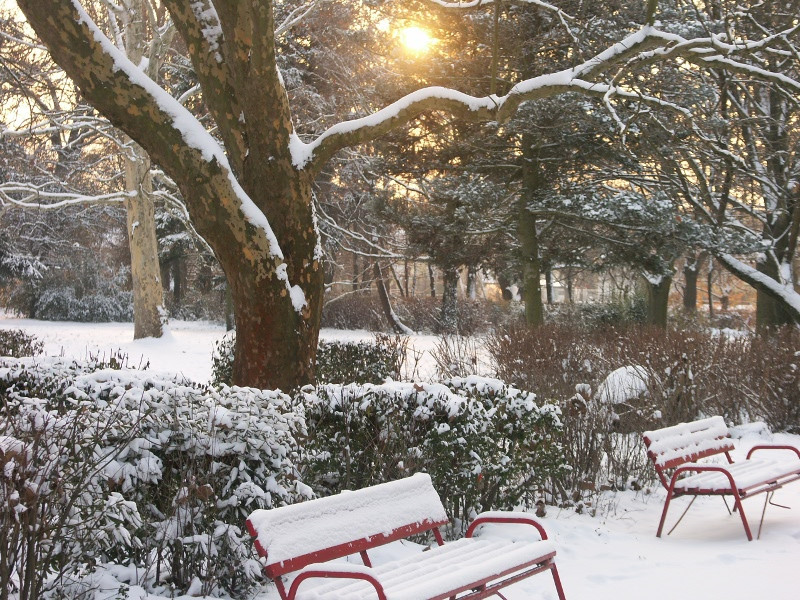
{"x":485,"y":444}
{"x":123,"y":466}
{"x":153,"y":477}
{"x":352,"y":362}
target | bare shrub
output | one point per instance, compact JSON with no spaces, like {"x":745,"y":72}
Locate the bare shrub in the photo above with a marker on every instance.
{"x":360,"y":310}
{"x":685,"y":374}
{"x":456,"y":356}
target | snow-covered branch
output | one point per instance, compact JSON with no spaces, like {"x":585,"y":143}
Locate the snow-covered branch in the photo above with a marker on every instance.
{"x":790,"y":298}
{"x":31,"y":196}
{"x":296,"y":16}
{"x":313,"y":155}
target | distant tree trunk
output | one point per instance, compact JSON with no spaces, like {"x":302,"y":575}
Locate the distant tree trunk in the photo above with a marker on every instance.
{"x":658,"y":301}
{"x":148,"y":293}
{"x":400,"y":287}
{"x":355,"y":272}
{"x":386,"y":303}
{"x":432,"y":280}
{"x":690,"y":274}
{"x":472,"y":282}
{"x":531,"y":272}
{"x":178,"y":279}
{"x":532,"y":184}
{"x":450,"y":300}
{"x":570,"y":298}
{"x":407,"y":278}
{"x":709,"y":286}
{"x":548,"y":282}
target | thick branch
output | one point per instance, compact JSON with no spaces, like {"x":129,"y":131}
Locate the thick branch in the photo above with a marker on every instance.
{"x":784,"y":294}
{"x":169,"y":133}
{"x":490,"y":108}
{"x":199,"y":27}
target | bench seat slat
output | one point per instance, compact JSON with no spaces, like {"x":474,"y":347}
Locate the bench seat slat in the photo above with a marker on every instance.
{"x":686,"y":442}
{"x":436,"y":572}
{"x":747,"y":474}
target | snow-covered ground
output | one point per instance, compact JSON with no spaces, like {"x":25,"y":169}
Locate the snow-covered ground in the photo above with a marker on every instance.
{"x":611,"y":556}
{"x":185,"y":348}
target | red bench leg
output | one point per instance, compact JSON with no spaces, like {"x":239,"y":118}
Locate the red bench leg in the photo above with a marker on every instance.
{"x":738,"y":506}
{"x":557,"y":581}
{"x":664,"y":512}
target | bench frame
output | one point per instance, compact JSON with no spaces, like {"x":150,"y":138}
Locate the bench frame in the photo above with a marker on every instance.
{"x":670,"y":472}
{"x":482,"y":588}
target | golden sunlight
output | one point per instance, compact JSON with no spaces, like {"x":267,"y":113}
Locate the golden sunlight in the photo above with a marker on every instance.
{"x":415,"y":40}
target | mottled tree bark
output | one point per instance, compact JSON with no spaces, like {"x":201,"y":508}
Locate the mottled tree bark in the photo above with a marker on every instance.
{"x":148,"y":292}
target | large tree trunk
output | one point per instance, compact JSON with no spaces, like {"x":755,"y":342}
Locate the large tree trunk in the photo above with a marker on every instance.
{"x":251,"y":203}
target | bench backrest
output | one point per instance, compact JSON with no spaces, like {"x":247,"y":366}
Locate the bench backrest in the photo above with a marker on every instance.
{"x":291,"y":537}
{"x":670,"y":447}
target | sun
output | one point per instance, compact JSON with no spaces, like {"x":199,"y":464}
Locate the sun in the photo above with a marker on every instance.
{"x":415,"y":40}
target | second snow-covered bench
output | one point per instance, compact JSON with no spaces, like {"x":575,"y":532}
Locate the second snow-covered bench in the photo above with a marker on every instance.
{"x":297,"y":539}
{"x":675,"y":450}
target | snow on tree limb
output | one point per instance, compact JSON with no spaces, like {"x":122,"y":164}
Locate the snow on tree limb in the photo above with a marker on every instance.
{"x":33,"y":196}
{"x":489,"y":108}
{"x":764,"y":283}
{"x":175,"y":136}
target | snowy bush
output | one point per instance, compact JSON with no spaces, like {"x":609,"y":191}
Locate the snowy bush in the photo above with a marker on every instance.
{"x":485,"y":444}
{"x":358,"y":362}
{"x":17,"y":343}
{"x":93,"y":292}
{"x":140,"y":469}
{"x":337,"y":362}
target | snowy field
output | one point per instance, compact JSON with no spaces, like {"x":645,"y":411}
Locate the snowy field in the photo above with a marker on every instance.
{"x":611,"y":556}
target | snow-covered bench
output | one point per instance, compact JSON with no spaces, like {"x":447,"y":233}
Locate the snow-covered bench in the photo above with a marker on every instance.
{"x":675,"y":450}
{"x":296,"y":539}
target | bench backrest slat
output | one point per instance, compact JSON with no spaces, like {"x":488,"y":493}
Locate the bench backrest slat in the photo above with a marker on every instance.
{"x":687,"y":442}
{"x":291,"y":537}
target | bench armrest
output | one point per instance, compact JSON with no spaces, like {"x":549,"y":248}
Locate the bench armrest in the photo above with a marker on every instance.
{"x":772,"y":447}
{"x":698,"y":468}
{"x":337,"y":571}
{"x":505,"y":517}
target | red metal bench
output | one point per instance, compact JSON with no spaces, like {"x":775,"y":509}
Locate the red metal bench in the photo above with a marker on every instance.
{"x":675,"y":449}
{"x":296,"y":539}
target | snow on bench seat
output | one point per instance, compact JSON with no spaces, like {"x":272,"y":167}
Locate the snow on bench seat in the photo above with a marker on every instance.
{"x":291,"y":532}
{"x":747,"y":474}
{"x":686,"y":442}
{"x":675,"y":450}
{"x":437,"y":572}
{"x":300,"y":539}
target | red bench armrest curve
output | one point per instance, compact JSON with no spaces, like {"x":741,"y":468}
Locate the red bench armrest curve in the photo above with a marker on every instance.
{"x":772,"y":447}
{"x":506,"y":517}
{"x":337,"y":572}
